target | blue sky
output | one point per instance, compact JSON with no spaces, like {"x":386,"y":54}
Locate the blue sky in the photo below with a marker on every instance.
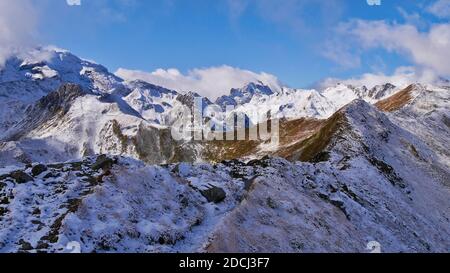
{"x":299,"y":41}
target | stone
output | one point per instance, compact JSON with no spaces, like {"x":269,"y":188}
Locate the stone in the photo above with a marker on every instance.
{"x":248,"y":183}
{"x":21,"y":177}
{"x":38,"y":169}
{"x":214,"y":194}
{"x":103,"y":162}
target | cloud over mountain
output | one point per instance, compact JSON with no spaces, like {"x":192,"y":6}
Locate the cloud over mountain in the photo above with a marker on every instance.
{"x":18,"y":25}
{"x":402,"y":76}
{"x":211,"y":82}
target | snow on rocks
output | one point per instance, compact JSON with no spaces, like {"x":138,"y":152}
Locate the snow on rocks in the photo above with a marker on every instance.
{"x":288,"y":207}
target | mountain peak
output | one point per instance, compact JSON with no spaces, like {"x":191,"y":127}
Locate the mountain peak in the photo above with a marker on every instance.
{"x":52,"y":67}
{"x":252,"y":88}
{"x":188,"y":99}
{"x":154,"y":90}
{"x":356,"y":106}
{"x":239,"y":96}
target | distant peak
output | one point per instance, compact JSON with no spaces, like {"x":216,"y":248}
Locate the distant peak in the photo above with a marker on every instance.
{"x":239,"y":96}
{"x":146,"y":85}
{"x":257,"y":88}
{"x":188,"y":99}
{"x":357,"y":104}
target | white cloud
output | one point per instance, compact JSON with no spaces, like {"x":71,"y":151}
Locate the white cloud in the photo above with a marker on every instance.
{"x":18,"y":24}
{"x":210,"y":82}
{"x":341,"y":53}
{"x":440,"y":9}
{"x":428,"y":50}
{"x":413,"y":18}
{"x":74,"y":2}
{"x":402,"y":76}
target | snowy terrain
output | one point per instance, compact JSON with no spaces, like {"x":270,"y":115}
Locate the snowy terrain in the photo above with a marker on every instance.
{"x":88,"y":157}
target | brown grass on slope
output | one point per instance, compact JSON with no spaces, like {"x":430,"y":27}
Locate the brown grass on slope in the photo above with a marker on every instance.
{"x":397,"y":101}
{"x":313,"y":148}
{"x":291,"y":133}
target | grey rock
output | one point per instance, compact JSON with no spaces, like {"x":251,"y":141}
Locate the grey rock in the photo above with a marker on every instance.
{"x":103,"y":162}
{"x":38,"y":169}
{"x":21,"y":177}
{"x":214,"y":194}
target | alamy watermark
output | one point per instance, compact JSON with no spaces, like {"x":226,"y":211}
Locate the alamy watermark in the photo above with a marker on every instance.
{"x":73,"y":247}
{"x":73,"y":2}
{"x":373,"y":247}
{"x":211,"y":122}
{"x":373,"y":2}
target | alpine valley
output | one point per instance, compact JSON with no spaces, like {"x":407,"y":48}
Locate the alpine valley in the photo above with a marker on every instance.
{"x":88,"y":157}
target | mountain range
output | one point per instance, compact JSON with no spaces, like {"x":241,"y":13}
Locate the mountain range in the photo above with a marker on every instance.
{"x":88,"y":157}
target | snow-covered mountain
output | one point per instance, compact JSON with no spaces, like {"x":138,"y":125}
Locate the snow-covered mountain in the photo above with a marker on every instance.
{"x":294,"y":103}
{"x":26,"y":78}
{"x":41,"y":122}
{"x":353,"y":165}
{"x":240,"y":96}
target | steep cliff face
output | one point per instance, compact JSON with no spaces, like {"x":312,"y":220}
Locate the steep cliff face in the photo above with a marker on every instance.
{"x":47,"y":109}
{"x":150,"y":144}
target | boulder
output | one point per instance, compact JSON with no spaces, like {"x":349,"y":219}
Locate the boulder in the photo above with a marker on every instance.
{"x":214,"y":194}
{"x":103,"y":162}
{"x":38,"y":169}
{"x":21,"y":177}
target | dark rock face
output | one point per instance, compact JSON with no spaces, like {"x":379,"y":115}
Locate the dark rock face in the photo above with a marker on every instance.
{"x":151,"y":145}
{"x":155,"y":145}
{"x":248,"y":183}
{"x":38,"y":169}
{"x":55,"y":103}
{"x":446,"y":120}
{"x":214,"y":194}
{"x":189,"y":100}
{"x":21,"y":177}
{"x":103,"y":162}
{"x":376,"y":92}
{"x":61,"y":99}
{"x":379,"y":91}
{"x":244,"y":95}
